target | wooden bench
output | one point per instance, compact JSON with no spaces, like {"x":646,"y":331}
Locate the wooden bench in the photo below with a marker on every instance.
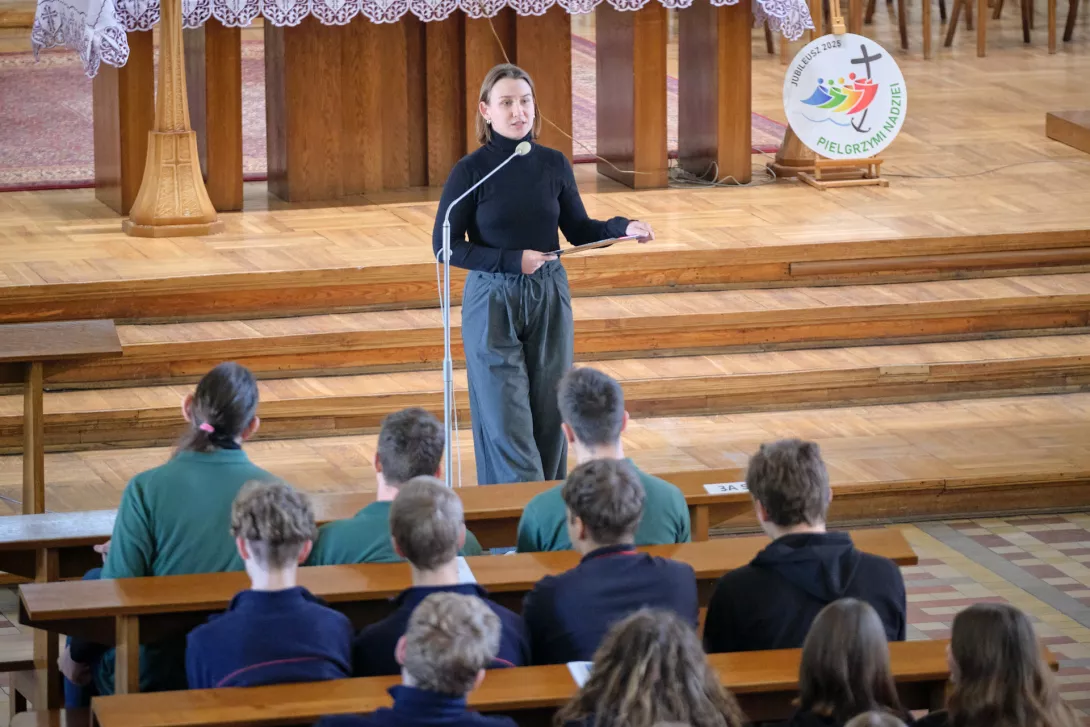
{"x":130,"y":611}
{"x":492,"y":513}
{"x":765,"y":683}
{"x":25,"y":350}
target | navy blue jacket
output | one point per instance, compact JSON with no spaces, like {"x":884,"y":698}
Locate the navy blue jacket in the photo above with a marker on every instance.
{"x":568,"y":614}
{"x":373,"y":649}
{"x":270,"y":637}
{"x":418,"y":707}
{"x":770,"y":603}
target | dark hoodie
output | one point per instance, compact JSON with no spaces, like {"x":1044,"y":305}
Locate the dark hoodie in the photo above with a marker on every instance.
{"x":770,"y":603}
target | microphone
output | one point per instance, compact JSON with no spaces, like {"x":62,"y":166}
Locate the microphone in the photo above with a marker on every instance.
{"x":521,"y":150}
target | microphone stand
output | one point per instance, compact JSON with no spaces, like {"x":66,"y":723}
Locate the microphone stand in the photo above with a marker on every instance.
{"x":448,"y":362}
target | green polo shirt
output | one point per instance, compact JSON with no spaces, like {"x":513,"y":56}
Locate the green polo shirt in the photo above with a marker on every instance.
{"x":365,"y":538}
{"x":174,"y":520}
{"x":543,"y":525}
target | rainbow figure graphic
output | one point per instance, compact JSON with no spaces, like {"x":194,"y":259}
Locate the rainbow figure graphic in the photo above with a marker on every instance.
{"x":848,"y":97}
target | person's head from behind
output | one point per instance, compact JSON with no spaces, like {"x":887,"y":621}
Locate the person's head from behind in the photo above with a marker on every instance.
{"x":592,"y":411}
{"x":427,"y":523}
{"x":845,"y":663}
{"x":1000,"y":678}
{"x":790,"y":487}
{"x":875,"y":719}
{"x":273,"y":527}
{"x":410,"y":444}
{"x":650,"y":669}
{"x":222,"y":411}
{"x":507,"y":104}
{"x":450,"y":641}
{"x":604,"y":501}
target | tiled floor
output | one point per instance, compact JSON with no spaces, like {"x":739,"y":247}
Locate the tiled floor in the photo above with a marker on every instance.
{"x":1037,"y":563}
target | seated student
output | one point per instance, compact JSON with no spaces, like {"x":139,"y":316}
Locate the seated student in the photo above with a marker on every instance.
{"x":650,"y":670}
{"x":174,"y":520}
{"x":451,"y":640}
{"x":569,"y":614}
{"x":427,"y":525}
{"x":998,"y":675}
{"x":276,"y":632}
{"x":592,"y":409}
{"x":845,"y":668}
{"x":876,"y":719}
{"x":770,"y":603}
{"x":410,"y":444}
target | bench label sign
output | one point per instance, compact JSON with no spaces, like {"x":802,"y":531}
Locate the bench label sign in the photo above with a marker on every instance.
{"x":580,"y":672}
{"x":726,"y":488}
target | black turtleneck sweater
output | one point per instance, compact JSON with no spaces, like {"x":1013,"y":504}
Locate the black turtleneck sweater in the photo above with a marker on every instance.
{"x":520,"y":208}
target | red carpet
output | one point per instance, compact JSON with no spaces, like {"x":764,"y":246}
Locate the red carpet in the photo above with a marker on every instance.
{"x":45,"y":117}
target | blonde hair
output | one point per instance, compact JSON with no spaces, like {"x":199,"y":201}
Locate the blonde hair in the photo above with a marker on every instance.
{"x":275,"y":520}
{"x":875,"y":719}
{"x":1001,"y":678}
{"x":426,"y":522}
{"x":651,"y":670}
{"x":450,"y":638}
{"x":494,"y":76}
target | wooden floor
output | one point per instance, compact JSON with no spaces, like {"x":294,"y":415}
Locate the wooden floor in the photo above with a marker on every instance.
{"x":967,"y":442}
{"x":936,"y":331}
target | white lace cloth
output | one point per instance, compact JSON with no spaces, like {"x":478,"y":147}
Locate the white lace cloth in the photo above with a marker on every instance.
{"x":96,"y":28}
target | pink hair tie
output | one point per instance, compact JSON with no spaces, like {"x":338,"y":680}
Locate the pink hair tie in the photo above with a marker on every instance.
{"x":206,"y":427}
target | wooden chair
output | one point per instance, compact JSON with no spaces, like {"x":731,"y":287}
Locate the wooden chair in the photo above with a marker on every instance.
{"x":1026,"y":8}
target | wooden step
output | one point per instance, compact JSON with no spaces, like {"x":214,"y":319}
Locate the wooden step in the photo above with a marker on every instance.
{"x":927,"y":459}
{"x":609,"y":327}
{"x":720,"y":384}
{"x":393,"y":268}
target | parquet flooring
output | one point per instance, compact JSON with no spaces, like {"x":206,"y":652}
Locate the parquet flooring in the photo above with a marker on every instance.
{"x":866,"y":444}
{"x":960,"y":121}
{"x":679,"y":385}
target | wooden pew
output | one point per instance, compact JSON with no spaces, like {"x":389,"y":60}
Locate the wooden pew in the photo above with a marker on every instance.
{"x":25,"y":351}
{"x":764,"y":683}
{"x":492,"y":513}
{"x":130,"y":611}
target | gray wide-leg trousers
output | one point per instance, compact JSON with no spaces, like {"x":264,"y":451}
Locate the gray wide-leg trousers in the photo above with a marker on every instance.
{"x":518,"y":338}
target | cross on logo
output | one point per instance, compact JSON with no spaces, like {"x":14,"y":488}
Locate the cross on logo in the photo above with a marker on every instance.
{"x":866,"y":59}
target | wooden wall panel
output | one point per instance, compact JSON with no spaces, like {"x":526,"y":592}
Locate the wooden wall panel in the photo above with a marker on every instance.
{"x":544,"y":51}
{"x":714,"y":90}
{"x":631,"y":94}
{"x":213,"y":67}
{"x":446,"y":95}
{"x":124,"y":110}
{"x":303,"y":88}
{"x":482,"y":51}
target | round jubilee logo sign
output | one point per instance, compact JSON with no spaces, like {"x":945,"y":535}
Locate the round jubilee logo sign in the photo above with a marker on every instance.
{"x":845,"y":97}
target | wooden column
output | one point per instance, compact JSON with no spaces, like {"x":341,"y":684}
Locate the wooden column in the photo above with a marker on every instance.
{"x":172,"y":201}
{"x":33,"y":441}
{"x":446,"y":95}
{"x":482,"y":51}
{"x":383,"y":122}
{"x":631,"y":94}
{"x":544,"y":51}
{"x":714,"y":90}
{"x":213,"y":68}
{"x":124,"y":110}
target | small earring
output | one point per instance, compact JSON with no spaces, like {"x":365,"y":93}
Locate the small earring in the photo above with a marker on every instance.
{"x":488,"y":121}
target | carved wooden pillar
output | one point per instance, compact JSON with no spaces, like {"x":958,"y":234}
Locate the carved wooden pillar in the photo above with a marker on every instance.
{"x":172,"y":201}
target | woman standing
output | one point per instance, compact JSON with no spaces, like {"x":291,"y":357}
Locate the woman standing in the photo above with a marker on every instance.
{"x":516,"y":306}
